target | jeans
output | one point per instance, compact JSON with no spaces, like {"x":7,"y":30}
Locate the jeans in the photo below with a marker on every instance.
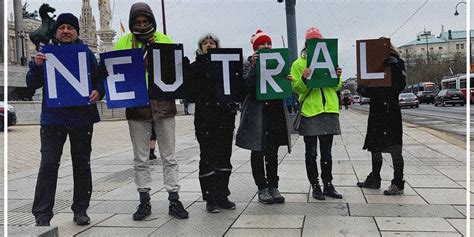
{"x":261,"y":160}
{"x":311,"y":145}
{"x":52,"y":142}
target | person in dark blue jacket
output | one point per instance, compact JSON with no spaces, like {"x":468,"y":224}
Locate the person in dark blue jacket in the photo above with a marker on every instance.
{"x":56,"y":125}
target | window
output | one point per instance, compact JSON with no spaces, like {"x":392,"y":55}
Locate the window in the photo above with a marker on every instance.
{"x":457,"y":46}
{"x":440,"y":48}
{"x":431,"y":48}
{"x":422,"y":48}
{"x":462,"y":46}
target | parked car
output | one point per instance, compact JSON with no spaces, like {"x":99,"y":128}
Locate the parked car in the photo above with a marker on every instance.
{"x":364,"y":100}
{"x":449,"y":96}
{"x":426,"y":96}
{"x":356,"y":99}
{"x":11,"y":117}
{"x":408,"y":100}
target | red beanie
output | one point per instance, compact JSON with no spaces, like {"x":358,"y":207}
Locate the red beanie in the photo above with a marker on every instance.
{"x":313,"y":33}
{"x":259,"y":38}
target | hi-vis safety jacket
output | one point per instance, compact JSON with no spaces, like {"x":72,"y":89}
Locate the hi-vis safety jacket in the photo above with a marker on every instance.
{"x":320,"y":100}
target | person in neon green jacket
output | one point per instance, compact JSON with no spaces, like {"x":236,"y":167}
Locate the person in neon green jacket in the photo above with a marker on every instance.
{"x":319,"y":120}
{"x":159,"y":115}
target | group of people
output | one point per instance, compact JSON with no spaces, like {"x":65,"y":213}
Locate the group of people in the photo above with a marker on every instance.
{"x":264,"y":127}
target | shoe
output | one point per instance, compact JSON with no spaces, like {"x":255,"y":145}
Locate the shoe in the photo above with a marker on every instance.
{"x":331,"y":192}
{"x":177,"y":210}
{"x":212,"y":207}
{"x":152,"y":156}
{"x":226,"y":204}
{"x":393,"y":190}
{"x":143,"y":210}
{"x":81,"y":218}
{"x":265,"y":197}
{"x":276,"y":195}
{"x":370,"y":182}
{"x":317,"y":193}
{"x":42,"y":223}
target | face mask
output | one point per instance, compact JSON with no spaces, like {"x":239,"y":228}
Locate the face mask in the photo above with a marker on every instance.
{"x":144,"y":33}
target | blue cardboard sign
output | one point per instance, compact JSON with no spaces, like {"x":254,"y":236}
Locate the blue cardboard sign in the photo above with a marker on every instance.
{"x":67,"y":75}
{"x":126,"y":84}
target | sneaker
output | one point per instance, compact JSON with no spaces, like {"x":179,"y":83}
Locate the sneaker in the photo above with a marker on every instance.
{"x":393,"y":190}
{"x":143,"y":210}
{"x":370,"y":182}
{"x":276,"y":195}
{"x":42,"y":223}
{"x":265,"y":197}
{"x":317,"y":193}
{"x":226,"y":204}
{"x":81,"y":218}
{"x":212,"y":207}
{"x":177,"y":210}
{"x":331,"y":192}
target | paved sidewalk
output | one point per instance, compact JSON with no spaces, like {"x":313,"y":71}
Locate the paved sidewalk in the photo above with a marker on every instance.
{"x":433,"y":204}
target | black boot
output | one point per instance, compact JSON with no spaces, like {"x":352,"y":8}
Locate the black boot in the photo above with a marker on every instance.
{"x":81,"y":218}
{"x":176,"y":208}
{"x":372,"y":182}
{"x":144,"y":209}
{"x":317,"y":193}
{"x":330,"y":191}
{"x":395,"y":188}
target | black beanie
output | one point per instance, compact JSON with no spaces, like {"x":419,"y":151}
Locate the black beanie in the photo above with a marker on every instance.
{"x":67,"y":18}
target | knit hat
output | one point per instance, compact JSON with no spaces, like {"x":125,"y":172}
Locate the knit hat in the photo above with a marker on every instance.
{"x":67,"y":18}
{"x":259,"y":38}
{"x":209,"y":36}
{"x":313,"y":33}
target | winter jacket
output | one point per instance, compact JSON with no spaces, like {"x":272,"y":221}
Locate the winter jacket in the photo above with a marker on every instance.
{"x":261,"y":119}
{"x":157,"y":109}
{"x":210,"y":114}
{"x":384,"y":128}
{"x":320,"y":100}
{"x":74,"y":116}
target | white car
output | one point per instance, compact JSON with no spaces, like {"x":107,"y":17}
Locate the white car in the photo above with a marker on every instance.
{"x":356,"y":99}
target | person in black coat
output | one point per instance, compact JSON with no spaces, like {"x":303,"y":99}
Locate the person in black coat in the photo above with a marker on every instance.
{"x":384,"y":129}
{"x":214,"y":123}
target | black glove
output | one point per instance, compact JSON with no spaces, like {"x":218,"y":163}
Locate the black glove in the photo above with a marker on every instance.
{"x":390,"y":61}
{"x":202,"y":58}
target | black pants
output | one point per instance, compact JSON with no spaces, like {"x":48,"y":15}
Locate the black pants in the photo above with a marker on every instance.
{"x":311,"y":145}
{"x":215,"y":167}
{"x":398,"y":164}
{"x":52,"y":142}
{"x":261,"y":160}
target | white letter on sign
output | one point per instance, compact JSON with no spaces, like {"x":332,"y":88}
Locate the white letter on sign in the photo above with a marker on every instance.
{"x":81,"y":85}
{"x":322,"y":47}
{"x":114,"y":78}
{"x":266,"y":75}
{"x":178,"y":61}
{"x":225,"y":58}
{"x":363,"y":65}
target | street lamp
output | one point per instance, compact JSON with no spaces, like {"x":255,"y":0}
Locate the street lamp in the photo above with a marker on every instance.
{"x":291,"y":28}
{"x":23,"y":58}
{"x":425,"y":34}
{"x":456,"y":13}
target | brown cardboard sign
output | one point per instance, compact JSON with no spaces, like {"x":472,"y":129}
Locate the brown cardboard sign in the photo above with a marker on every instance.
{"x":371,"y":71}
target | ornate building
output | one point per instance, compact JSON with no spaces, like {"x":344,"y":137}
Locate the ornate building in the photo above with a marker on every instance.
{"x":88,"y":26}
{"x":106,"y":33}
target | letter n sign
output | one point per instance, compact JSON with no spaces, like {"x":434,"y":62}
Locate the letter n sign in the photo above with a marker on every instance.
{"x":371,"y":54}
{"x":322,"y":59}
{"x":226,"y":72}
{"x":67,"y":75}
{"x":165,"y":67}
{"x":272,"y":70}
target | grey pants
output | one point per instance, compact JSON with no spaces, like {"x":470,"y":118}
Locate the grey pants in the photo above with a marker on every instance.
{"x":140,"y":133}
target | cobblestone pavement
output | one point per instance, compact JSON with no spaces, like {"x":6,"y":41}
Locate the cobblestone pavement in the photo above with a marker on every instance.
{"x":433,"y":203}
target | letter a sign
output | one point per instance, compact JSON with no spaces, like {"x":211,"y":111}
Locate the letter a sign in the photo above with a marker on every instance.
{"x":322,"y":59}
{"x":272,"y":70}
{"x":371,"y":54}
{"x":67,"y":75}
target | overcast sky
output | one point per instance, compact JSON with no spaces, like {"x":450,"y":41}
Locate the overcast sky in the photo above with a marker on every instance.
{"x":234,"y":21}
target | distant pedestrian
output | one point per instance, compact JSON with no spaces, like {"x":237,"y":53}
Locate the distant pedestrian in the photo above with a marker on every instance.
{"x":346,"y":102}
{"x":57,"y":124}
{"x":214,"y":123}
{"x":186,"y":106}
{"x":384,"y":128}
{"x":263,"y":128}
{"x":319,"y":121}
{"x":160,"y":115}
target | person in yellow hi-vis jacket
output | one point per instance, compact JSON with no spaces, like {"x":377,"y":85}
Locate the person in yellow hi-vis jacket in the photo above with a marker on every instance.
{"x":162,"y":113}
{"x":319,"y":121}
